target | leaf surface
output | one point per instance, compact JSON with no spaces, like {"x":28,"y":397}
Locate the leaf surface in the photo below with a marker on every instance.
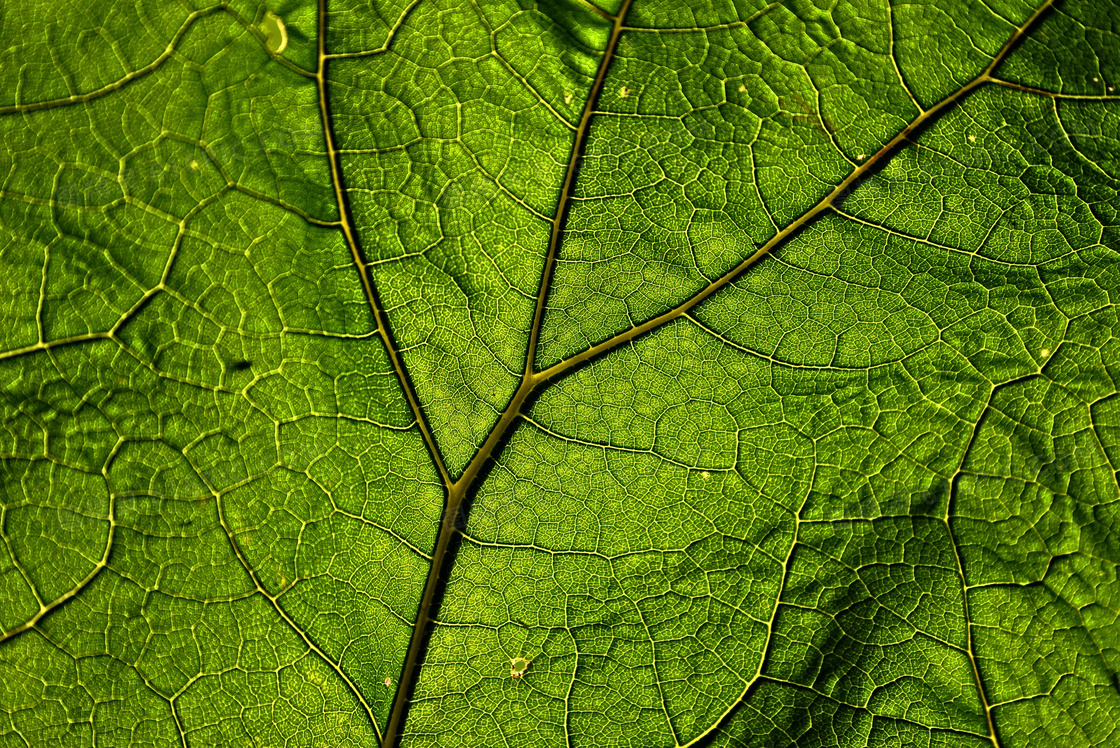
{"x":727,"y":373}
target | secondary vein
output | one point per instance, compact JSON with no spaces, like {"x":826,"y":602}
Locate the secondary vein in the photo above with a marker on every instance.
{"x":458,"y":490}
{"x":532,"y":379}
{"x":358,"y":257}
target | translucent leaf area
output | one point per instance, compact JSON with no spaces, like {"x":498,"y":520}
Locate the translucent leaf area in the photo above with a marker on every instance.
{"x":579,"y":374}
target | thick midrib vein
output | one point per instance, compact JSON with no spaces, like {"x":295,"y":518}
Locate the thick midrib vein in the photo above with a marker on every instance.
{"x":346,"y":224}
{"x":532,"y":379}
{"x":457,"y":491}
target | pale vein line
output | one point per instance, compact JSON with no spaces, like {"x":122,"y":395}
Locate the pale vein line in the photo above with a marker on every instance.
{"x":117,"y":84}
{"x":370,"y":52}
{"x":70,"y":594}
{"x":1055,"y":95}
{"x":274,"y":601}
{"x":894,"y":59}
{"x":971,"y":650}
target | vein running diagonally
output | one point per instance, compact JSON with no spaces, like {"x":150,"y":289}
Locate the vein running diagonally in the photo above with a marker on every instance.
{"x":45,"y":608}
{"x":456,"y":490}
{"x":533,"y":379}
{"x":825,"y":204}
{"x":108,"y":88}
{"x":947,"y":520}
{"x":168,"y":52}
{"x":274,"y":602}
{"x":359,"y":259}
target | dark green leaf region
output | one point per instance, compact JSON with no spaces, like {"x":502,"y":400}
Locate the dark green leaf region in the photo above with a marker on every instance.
{"x":560,"y":373}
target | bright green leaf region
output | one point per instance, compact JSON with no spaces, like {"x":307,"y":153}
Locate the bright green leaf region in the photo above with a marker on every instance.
{"x":579,"y":374}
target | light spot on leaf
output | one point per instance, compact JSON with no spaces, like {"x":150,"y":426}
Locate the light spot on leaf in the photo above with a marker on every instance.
{"x":518,"y":666}
{"x":275,"y":33}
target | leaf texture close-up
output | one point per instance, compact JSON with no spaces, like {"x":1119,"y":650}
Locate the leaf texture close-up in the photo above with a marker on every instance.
{"x":569,"y":373}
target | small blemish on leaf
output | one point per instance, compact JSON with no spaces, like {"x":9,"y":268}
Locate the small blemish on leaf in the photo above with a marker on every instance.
{"x":861,"y":156}
{"x":193,"y":165}
{"x":625,"y":92}
{"x":1044,"y":352}
{"x":742,"y":89}
{"x":388,"y":682}
{"x":567,"y":98}
{"x":241,"y":365}
{"x":706,"y":475}
{"x":518,"y":666}
{"x":275,"y":33}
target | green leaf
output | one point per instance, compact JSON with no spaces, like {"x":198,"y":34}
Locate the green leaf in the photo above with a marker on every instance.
{"x":484,"y":373}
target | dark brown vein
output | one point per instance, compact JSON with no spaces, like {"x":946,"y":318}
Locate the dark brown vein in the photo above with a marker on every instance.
{"x":457,"y":491}
{"x":532,"y":379}
{"x":347,"y":225}
{"x":561,"y":215}
{"x":824,"y":204}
